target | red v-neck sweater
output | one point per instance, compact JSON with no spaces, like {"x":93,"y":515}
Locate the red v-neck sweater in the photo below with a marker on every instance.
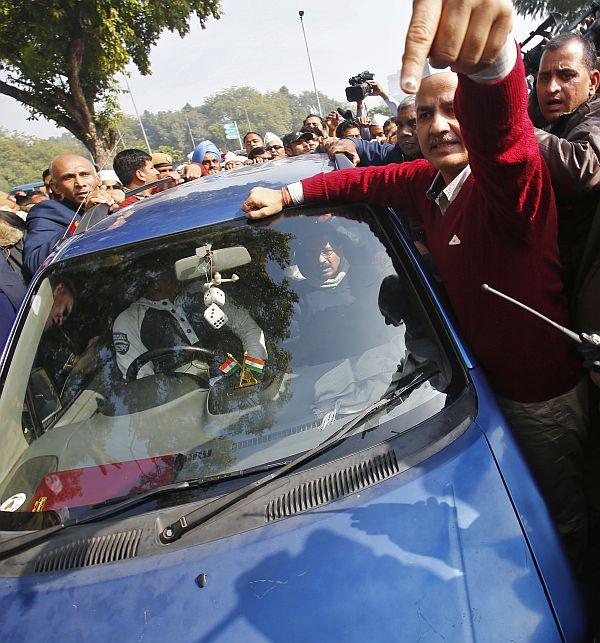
{"x":505,"y":219}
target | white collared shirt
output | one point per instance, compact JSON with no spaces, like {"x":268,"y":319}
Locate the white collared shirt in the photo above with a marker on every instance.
{"x":443,"y":196}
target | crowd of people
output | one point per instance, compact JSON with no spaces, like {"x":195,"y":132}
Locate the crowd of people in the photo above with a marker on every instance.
{"x":500,"y":185}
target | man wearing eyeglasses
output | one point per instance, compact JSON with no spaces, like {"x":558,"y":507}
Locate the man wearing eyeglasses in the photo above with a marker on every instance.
{"x":274,"y":145}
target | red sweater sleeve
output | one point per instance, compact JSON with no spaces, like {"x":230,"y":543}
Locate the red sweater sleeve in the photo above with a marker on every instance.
{"x":503,"y":153}
{"x":394,"y":185}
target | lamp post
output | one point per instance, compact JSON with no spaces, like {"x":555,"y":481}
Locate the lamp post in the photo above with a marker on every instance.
{"x":301,"y":14}
{"x":138,"y":116}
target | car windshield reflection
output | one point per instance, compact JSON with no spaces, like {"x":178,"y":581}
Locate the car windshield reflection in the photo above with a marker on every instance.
{"x":205,"y":353}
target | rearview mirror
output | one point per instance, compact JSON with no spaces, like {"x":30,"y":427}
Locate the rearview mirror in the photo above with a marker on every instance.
{"x":206,"y":261}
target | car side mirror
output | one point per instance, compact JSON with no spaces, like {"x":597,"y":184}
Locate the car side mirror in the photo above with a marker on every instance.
{"x":207,"y":261}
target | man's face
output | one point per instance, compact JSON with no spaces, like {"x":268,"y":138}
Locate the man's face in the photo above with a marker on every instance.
{"x":147,"y":173}
{"x":377,"y":133}
{"x":211,"y":163}
{"x":296,"y":148}
{"x":563,"y":81}
{"x":406,"y":132}
{"x":275,"y":150}
{"x":61,"y":308}
{"x":352,"y":131}
{"x":390,"y":130}
{"x":265,"y":156}
{"x":315,"y":124}
{"x":438,"y":130}
{"x":73,"y":177}
{"x":329,"y":261}
{"x":47,"y":186}
{"x":251,"y":141}
{"x":163,"y":169}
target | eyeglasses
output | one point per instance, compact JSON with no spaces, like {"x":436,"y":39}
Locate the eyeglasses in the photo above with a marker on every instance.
{"x":327,"y":253}
{"x":274,"y":147}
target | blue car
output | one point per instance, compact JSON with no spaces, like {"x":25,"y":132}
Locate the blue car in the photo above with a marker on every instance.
{"x":216,"y":430}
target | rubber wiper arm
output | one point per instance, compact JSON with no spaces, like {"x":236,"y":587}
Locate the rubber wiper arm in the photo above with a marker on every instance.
{"x":174,"y":531}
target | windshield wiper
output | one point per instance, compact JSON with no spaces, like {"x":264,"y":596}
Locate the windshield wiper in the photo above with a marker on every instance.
{"x":115,"y":506}
{"x":174,"y":531}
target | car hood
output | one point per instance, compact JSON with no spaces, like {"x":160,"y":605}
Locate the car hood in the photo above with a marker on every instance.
{"x":433,"y":554}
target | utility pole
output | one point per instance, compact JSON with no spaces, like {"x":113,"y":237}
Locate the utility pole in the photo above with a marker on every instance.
{"x":190,"y":131}
{"x":138,"y":116}
{"x":301,"y":14}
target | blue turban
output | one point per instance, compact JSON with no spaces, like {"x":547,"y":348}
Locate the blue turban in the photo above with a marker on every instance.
{"x":202,"y":149}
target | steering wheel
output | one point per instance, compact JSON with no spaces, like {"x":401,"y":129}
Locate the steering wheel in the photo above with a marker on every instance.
{"x":178,"y":352}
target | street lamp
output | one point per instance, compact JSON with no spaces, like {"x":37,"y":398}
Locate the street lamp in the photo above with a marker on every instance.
{"x":301,"y":14}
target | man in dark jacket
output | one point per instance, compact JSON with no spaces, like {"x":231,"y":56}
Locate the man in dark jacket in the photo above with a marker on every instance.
{"x":74,"y":185}
{"x":365,"y":153}
{"x":566,"y":87}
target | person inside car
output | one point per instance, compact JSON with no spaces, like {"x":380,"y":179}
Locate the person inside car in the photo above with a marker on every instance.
{"x":168,"y":316}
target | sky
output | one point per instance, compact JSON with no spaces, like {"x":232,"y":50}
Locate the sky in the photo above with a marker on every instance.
{"x":260,"y":44}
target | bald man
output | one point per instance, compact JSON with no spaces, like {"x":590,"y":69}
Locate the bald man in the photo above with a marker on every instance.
{"x":74,"y":183}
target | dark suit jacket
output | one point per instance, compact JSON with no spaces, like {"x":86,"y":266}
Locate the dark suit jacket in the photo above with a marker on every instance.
{"x":46,"y":224}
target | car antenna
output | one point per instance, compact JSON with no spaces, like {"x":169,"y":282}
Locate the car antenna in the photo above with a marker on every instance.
{"x":583,"y":338}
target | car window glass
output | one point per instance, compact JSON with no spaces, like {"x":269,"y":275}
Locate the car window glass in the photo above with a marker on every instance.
{"x":136,"y":383}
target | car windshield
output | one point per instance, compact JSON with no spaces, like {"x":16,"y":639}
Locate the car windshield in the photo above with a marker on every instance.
{"x":209,"y":352}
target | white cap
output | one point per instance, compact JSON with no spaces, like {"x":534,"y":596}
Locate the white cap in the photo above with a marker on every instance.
{"x":232,"y":156}
{"x":379,"y":120}
{"x":109,"y":175}
{"x":272,"y":138}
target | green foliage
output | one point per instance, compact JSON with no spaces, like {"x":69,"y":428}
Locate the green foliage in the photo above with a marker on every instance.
{"x":24,"y":158}
{"x":279,"y":112}
{"x":60,"y":57}
{"x":541,"y":8}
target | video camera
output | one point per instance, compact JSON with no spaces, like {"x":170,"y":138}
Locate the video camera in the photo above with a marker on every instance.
{"x":552,"y":27}
{"x":359,"y":89}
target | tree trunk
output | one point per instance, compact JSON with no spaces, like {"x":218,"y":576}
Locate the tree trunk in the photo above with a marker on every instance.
{"x":101,"y":146}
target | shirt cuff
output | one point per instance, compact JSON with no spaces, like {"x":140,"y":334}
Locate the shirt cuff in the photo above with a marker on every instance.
{"x":296,"y":192}
{"x":501,"y":67}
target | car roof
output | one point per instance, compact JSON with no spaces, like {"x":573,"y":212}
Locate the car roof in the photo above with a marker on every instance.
{"x":212,"y":199}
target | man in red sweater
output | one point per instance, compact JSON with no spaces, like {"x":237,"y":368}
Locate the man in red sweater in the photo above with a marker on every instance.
{"x":484,"y":197}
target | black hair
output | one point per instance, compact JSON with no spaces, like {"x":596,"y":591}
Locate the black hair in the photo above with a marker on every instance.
{"x":344,"y":126}
{"x":13,"y":220}
{"x":588,"y":49}
{"x":256,"y":151}
{"x":45,"y":173}
{"x":246,"y":134}
{"x":57,"y":279}
{"x":323,"y":123}
{"x":128,"y":162}
{"x":390,"y":121}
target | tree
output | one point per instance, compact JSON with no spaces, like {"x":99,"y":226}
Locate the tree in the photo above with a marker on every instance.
{"x":24,"y":158}
{"x":537,"y":8}
{"x":60,"y":57}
